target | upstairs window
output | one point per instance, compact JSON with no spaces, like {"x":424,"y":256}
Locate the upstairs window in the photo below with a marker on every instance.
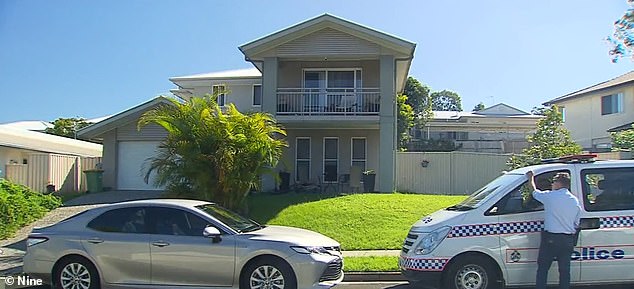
{"x":611,"y":104}
{"x":257,"y":95}
{"x":221,"y":90}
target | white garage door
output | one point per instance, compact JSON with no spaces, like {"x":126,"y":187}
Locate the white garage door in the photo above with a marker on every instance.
{"x":133,"y":163}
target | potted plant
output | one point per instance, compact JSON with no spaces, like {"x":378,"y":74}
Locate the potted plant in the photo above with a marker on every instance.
{"x":284,"y":178}
{"x":369,"y":178}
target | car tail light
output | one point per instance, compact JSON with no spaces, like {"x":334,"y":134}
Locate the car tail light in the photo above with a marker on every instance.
{"x":32,"y":241}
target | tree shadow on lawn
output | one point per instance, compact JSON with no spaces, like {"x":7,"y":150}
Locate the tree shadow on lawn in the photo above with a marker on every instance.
{"x":265,"y":206}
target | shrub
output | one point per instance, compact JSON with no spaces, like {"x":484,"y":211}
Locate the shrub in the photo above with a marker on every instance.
{"x":20,"y":206}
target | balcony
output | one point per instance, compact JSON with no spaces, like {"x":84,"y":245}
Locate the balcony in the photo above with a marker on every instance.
{"x":328,"y":102}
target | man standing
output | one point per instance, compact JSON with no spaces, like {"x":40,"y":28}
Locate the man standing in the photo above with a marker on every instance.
{"x":562,"y":213}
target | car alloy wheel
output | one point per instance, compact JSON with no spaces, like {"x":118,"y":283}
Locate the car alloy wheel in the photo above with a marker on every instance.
{"x":75,"y":273}
{"x":266,"y":277}
{"x":75,"y":276}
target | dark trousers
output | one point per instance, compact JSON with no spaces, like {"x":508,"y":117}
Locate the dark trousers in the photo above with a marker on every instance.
{"x":553,"y":246}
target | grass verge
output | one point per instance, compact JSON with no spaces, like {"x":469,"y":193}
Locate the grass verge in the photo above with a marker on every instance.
{"x":358,"y":222}
{"x":370,"y":264}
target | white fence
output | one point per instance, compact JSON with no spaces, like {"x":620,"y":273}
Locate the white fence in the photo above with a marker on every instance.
{"x":447,"y":172}
{"x":63,"y":171}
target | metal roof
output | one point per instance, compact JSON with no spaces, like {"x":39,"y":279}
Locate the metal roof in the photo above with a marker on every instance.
{"x":48,"y":143}
{"x":226,"y":74}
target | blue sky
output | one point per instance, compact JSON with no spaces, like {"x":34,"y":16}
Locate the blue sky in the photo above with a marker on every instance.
{"x":95,"y":58}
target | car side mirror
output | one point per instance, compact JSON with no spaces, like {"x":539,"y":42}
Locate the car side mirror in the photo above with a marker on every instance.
{"x":213,"y":233}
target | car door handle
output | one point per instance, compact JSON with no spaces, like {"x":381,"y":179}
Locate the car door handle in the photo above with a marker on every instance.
{"x":589,"y":223}
{"x":160,"y":244}
{"x":95,"y":240}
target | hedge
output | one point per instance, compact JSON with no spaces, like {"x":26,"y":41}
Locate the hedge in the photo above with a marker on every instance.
{"x":20,"y":206}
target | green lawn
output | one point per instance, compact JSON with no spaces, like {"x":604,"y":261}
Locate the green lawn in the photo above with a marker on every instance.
{"x":370,"y":264}
{"x":358,"y":221}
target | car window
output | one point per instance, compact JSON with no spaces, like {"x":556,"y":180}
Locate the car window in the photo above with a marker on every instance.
{"x":169,"y":221}
{"x":520,"y":199}
{"x":124,"y":220}
{"x":608,"y":189}
{"x":483,"y":194}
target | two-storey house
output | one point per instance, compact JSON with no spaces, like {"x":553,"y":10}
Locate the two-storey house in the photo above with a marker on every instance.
{"x":330,"y":82}
{"x":590,"y":114}
{"x":500,"y":128}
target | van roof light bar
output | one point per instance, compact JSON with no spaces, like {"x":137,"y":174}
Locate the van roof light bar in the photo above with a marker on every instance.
{"x":572,"y":159}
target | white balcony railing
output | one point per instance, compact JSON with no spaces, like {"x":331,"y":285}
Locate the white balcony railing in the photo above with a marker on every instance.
{"x":331,"y":101}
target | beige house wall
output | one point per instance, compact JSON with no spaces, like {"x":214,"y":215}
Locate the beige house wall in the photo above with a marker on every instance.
{"x":345,"y":150}
{"x":291,"y":75}
{"x":583,"y":116}
{"x":240,"y":92}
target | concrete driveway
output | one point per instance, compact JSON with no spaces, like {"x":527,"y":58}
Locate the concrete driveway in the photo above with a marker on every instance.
{"x":12,"y":249}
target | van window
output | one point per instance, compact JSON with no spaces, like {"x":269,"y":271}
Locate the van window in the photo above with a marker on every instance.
{"x":520,"y":199}
{"x":480,"y":196}
{"x":608,"y":189}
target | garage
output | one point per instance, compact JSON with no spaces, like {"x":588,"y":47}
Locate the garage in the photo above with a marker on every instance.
{"x":132,"y":163}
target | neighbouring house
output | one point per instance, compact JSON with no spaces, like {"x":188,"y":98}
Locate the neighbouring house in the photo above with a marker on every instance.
{"x":330,"y":82}
{"x":590,"y":114}
{"x":37,"y":159}
{"x":497,"y":129}
{"x":32,"y":125}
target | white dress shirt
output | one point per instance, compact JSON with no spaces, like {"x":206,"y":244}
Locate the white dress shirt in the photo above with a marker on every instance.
{"x":562,"y":210}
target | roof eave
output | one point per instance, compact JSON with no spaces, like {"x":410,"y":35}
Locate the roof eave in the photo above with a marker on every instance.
{"x":264,"y":43}
{"x":95,"y":130}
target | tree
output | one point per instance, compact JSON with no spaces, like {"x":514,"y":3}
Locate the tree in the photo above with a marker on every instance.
{"x":445,"y":101}
{"x":539,"y":110}
{"x":551,"y":140}
{"x":213,"y":154}
{"x":479,"y":107}
{"x":622,"y":39}
{"x":417,"y":95}
{"x":623,"y":140}
{"x":405,"y":121}
{"x":67,"y":127}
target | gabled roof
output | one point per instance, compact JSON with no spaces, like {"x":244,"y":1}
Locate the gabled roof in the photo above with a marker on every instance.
{"x":46,"y":143}
{"x":321,"y":22}
{"x":226,"y":74}
{"x":96,"y":130}
{"x":501,"y":109}
{"x":498,"y":110}
{"x":620,"y":80}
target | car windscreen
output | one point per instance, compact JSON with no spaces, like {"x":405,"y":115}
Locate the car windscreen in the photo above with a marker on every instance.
{"x":480,"y":196}
{"x":229,"y":218}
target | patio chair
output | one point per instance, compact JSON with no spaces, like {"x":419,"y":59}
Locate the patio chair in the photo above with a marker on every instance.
{"x":344,"y":180}
{"x":347,"y":103}
{"x":355,"y":179}
{"x":323,"y":185}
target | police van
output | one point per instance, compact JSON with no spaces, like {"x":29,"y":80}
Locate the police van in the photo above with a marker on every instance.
{"x":491,"y":239}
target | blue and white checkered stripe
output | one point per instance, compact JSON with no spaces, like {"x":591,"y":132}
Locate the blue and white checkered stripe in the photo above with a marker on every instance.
{"x":423,"y":264}
{"x":496,"y":229}
{"x":617,"y":222}
{"x":521,"y":227}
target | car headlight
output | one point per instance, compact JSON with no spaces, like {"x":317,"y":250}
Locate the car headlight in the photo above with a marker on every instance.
{"x":310,"y":250}
{"x":430,"y":241}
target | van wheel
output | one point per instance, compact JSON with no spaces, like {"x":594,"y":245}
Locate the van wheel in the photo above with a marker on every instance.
{"x":268,"y":274}
{"x":471,"y":273}
{"x":75,"y":273}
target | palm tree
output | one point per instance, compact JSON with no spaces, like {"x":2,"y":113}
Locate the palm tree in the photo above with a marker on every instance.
{"x":213,"y":154}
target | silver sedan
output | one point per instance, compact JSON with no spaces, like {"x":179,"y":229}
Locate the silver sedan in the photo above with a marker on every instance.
{"x":179,"y":243}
